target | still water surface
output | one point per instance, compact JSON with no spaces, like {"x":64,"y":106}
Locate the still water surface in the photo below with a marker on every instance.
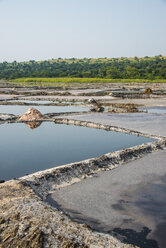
{"x":24,"y":150}
{"x":20,"y":110}
{"x":44,"y":102}
{"x":155,"y":110}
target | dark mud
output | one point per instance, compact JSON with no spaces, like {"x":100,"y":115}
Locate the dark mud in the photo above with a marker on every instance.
{"x":147,"y":202}
{"x":130,"y":205}
{"x":126,"y":235}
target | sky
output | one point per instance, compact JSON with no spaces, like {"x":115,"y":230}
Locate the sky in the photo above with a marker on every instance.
{"x":45,"y":29}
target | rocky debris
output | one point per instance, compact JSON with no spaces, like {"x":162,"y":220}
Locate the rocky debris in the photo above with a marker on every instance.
{"x":13,"y":103}
{"x":97,"y":108}
{"x":148,"y":91}
{"x":34,"y":239}
{"x":98,"y":93}
{"x":123,"y":108}
{"x":131,"y":108}
{"x":115,"y":110}
{"x":92,"y":101}
{"x":66,"y":93}
{"x":132,"y":94}
{"x":7,"y":117}
{"x":31,"y":114}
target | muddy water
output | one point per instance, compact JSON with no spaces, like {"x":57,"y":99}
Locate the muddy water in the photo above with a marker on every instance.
{"x":26,"y":149}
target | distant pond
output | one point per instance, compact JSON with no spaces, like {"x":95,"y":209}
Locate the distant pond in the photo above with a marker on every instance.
{"x":155,"y":110}
{"x":20,"y":109}
{"x":45,"y":102}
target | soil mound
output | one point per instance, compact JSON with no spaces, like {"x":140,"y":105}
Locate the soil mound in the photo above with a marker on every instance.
{"x":31,"y":114}
{"x":148,"y":91}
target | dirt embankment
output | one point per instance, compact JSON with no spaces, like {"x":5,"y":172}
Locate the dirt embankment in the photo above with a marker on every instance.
{"x":25,"y":221}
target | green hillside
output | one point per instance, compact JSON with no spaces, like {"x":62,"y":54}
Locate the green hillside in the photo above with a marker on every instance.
{"x":149,"y":68}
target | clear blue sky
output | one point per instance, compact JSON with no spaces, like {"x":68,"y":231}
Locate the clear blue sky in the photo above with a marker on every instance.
{"x":44,"y":29}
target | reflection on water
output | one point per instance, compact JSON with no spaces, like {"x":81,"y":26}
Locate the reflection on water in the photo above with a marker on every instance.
{"x":33,"y":125}
{"x":49,"y":145}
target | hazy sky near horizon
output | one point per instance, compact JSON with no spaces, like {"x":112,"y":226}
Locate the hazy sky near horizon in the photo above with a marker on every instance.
{"x":45,"y":29}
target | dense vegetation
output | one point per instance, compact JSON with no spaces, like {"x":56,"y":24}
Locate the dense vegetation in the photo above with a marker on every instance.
{"x":116,"y":68}
{"x":66,"y":80}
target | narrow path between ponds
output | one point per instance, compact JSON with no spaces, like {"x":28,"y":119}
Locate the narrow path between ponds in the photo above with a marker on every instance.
{"x":141,"y":122}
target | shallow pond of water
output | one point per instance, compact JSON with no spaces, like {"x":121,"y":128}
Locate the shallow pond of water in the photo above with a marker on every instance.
{"x":155,"y":110}
{"x":24,"y":150}
{"x":43,"y":102}
{"x":20,"y":109}
{"x":33,"y":102}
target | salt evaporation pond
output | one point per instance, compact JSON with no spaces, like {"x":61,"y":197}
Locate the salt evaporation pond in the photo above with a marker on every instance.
{"x":20,"y":109}
{"x":44,"y":102}
{"x":24,"y":150}
{"x":155,"y":110}
{"x":33,"y":102}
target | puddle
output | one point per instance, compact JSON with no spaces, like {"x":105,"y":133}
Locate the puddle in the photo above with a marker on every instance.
{"x":20,"y":110}
{"x":155,"y":110}
{"x":26,"y":151}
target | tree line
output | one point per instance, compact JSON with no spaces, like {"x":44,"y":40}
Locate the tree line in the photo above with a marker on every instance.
{"x":114,"y":68}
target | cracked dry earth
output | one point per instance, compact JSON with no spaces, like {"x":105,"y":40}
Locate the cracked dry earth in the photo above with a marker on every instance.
{"x":27,"y":222}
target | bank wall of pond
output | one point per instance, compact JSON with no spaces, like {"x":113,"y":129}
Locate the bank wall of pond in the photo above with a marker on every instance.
{"x":43,"y":182}
{"x":103,"y":126}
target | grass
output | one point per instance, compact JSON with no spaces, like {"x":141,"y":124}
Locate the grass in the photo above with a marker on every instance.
{"x":67,"y":80}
